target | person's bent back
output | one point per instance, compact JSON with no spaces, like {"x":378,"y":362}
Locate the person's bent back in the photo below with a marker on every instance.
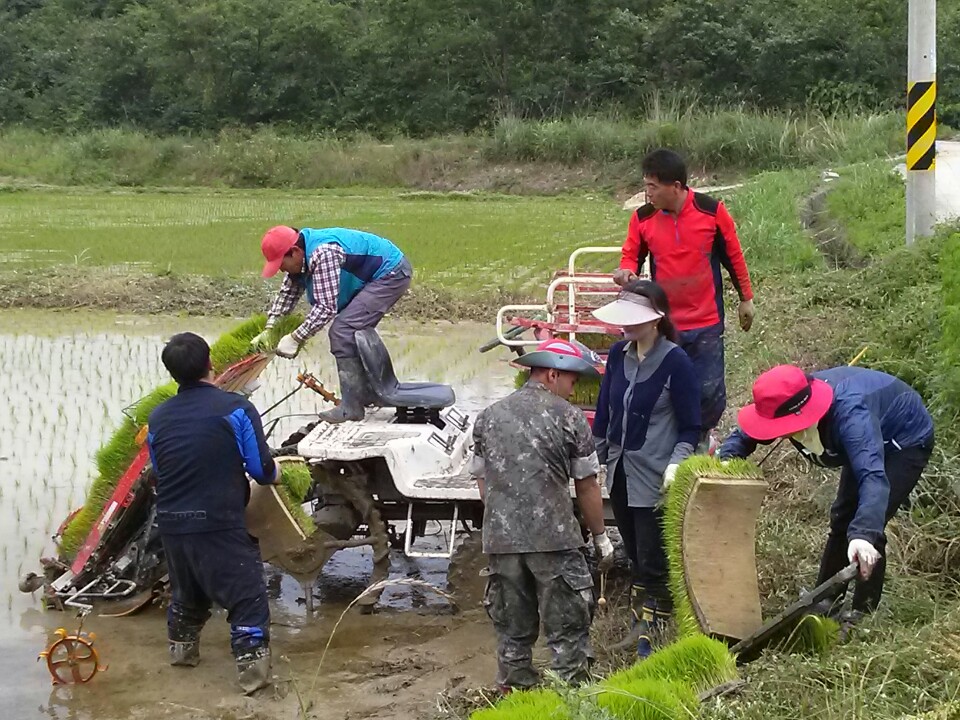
{"x":203,"y":442}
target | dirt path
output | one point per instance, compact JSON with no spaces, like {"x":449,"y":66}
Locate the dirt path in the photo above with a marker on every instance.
{"x":389,"y":665}
{"x":415,"y":658}
{"x":402,"y":675}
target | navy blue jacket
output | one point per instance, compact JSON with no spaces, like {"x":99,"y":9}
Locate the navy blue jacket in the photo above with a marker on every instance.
{"x":872,"y":414}
{"x":202,"y":442}
{"x":648,"y":416}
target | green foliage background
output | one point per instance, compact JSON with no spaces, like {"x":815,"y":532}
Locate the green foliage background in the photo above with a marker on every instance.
{"x":424,"y":67}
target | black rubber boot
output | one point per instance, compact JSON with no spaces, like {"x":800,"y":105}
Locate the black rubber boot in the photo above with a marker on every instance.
{"x":829,"y":607}
{"x":183,"y":633}
{"x":185,"y":654}
{"x":253,"y":669}
{"x":638,"y":595}
{"x":849,"y":619}
{"x":353,"y":392}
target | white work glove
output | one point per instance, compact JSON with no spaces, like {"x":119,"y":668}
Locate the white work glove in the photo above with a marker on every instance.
{"x":288,"y":347}
{"x":864,"y":554}
{"x":604,"y":548}
{"x":261,"y":341}
{"x":668,"y":475}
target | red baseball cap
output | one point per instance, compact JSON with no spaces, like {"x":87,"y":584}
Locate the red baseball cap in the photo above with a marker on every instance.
{"x":785,"y":400}
{"x":276,"y":243}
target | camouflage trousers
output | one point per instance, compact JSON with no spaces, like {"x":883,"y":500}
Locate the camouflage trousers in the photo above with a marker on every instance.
{"x":524,"y":589}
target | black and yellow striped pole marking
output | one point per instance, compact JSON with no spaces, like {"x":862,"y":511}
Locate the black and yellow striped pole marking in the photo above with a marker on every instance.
{"x":921,"y":119}
{"x":921,"y":125}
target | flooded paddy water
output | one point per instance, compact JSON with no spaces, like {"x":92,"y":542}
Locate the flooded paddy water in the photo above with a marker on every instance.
{"x":65,"y":380}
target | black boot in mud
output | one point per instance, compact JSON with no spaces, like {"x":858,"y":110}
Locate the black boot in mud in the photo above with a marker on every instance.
{"x":185,"y":654}
{"x":183,"y":634}
{"x":253,"y":670}
{"x":849,"y":620}
{"x":638,"y":595}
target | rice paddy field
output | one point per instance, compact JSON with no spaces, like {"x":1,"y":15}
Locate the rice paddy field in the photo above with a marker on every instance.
{"x":67,"y":379}
{"x":67,"y":376}
{"x":73,"y":373}
{"x":457,"y":241}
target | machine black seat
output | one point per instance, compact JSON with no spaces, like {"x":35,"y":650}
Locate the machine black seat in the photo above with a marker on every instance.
{"x":393,"y":393}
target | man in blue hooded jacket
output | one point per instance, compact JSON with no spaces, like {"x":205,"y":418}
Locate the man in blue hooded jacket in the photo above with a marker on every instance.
{"x":203,"y":444}
{"x":350,"y":277}
{"x":871,"y":425}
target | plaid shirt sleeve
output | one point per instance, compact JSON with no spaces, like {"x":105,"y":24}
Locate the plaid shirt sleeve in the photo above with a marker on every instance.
{"x":286,"y":300}
{"x":325,"y":273}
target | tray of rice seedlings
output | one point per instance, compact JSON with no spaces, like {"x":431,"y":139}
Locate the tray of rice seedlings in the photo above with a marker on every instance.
{"x":710,"y":519}
{"x":114,"y":458}
{"x":538,"y":704}
{"x":643,"y":698}
{"x":275,"y":515}
{"x":699,"y":661}
{"x":586,"y":390}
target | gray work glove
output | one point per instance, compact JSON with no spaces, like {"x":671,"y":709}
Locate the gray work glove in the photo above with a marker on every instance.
{"x":288,"y":347}
{"x":263,"y":341}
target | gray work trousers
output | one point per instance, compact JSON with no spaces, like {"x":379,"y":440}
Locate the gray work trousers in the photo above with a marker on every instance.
{"x":524,"y":589}
{"x":367,"y":308}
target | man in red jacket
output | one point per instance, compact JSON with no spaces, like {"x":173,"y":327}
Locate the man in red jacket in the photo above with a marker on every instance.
{"x":689,"y":236}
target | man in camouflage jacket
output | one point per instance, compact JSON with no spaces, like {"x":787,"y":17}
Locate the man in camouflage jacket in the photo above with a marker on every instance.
{"x":527,"y":447}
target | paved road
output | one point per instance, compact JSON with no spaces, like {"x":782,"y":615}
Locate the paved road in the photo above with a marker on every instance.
{"x":948,"y":180}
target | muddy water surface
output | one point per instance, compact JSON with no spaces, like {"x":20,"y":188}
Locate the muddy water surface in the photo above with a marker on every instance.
{"x":65,"y":380}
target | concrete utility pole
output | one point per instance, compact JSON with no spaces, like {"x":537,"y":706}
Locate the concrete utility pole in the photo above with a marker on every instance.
{"x":921,"y":118}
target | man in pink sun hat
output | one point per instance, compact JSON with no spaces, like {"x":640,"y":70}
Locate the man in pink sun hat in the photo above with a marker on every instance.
{"x":871,"y":425}
{"x":527,"y":447}
{"x":349,"y":277}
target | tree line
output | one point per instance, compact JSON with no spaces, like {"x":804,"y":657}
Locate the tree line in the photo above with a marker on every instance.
{"x":423,"y":67}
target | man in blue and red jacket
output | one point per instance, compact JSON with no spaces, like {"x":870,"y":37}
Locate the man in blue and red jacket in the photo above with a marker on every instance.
{"x":351,"y":279}
{"x":871,"y":425}
{"x":203,"y":443}
{"x":689,"y":237}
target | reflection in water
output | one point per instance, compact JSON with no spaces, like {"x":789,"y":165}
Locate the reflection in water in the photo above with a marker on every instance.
{"x":61,"y":705}
{"x":67,"y":378}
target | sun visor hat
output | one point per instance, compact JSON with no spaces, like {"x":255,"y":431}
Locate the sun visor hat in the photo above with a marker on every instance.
{"x":628,"y":309}
{"x":557,"y":354}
